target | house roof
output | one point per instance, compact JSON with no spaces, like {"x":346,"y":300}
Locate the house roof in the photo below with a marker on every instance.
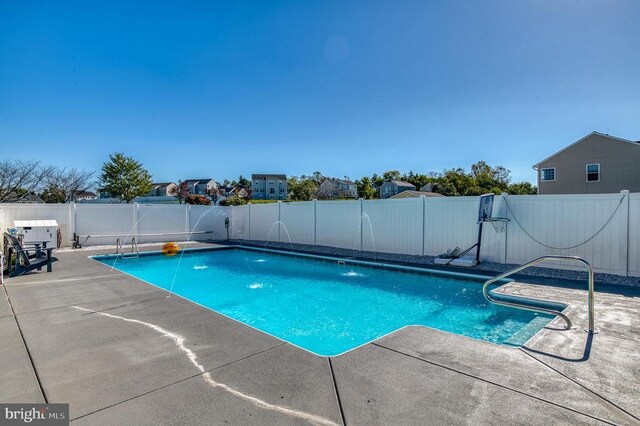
{"x":85,"y":194}
{"x":333,"y":180}
{"x":265,"y":176}
{"x":198,"y":181}
{"x":402,"y":183}
{"x":29,"y":198}
{"x":416,"y":194}
{"x":637,"y":143}
{"x":162,"y":184}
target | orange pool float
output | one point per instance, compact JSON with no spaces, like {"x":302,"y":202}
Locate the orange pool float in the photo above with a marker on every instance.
{"x":170,"y":249}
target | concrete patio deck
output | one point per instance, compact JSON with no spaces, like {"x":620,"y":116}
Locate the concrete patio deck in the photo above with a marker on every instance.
{"x":121,"y":352}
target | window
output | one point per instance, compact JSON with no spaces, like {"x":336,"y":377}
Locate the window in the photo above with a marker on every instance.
{"x":593,"y":172}
{"x":272,"y":190}
{"x":548,"y":174}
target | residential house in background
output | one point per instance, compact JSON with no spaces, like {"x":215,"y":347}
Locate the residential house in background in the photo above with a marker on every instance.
{"x":416,"y":194}
{"x":202,"y":186}
{"x":337,"y":188}
{"x":596,"y":164}
{"x":427,"y":187}
{"x":394,"y":187}
{"x":27,"y":199}
{"x":269,"y":187}
{"x":233,"y":191}
{"x":84,"y":196}
{"x":164,"y":189}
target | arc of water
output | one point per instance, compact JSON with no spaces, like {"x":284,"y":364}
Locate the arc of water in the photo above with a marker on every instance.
{"x":280,"y":223}
{"x":373,"y":241}
{"x":219,"y":212}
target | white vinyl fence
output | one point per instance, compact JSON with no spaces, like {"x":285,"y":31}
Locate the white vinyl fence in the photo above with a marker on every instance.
{"x":602,"y":228}
{"x":104,"y":223}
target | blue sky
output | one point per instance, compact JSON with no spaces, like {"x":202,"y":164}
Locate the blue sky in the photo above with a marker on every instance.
{"x":218,"y":89}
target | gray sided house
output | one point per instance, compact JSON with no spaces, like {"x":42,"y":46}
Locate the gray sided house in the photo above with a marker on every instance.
{"x":269,"y":187}
{"x":337,"y":188}
{"x":595,"y":164}
{"x":394,"y":187}
{"x":163,"y":189}
{"x":202,"y":186}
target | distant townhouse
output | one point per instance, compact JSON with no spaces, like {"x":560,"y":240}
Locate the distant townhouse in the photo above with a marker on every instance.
{"x":394,"y":187}
{"x":597,"y":163}
{"x":163,"y":189}
{"x":331,"y":189}
{"x":202,"y":186}
{"x":233,"y":191}
{"x":269,"y":187}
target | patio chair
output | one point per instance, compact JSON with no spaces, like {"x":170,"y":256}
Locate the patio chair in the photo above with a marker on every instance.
{"x":27,"y":259}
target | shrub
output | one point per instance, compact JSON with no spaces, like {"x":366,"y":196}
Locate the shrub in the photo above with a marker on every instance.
{"x":197,"y":199}
{"x":233,"y":201}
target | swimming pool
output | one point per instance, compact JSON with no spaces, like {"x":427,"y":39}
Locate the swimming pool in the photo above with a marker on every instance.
{"x":325,"y":307}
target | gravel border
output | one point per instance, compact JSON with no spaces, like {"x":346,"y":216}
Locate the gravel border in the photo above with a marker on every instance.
{"x":537,"y":272}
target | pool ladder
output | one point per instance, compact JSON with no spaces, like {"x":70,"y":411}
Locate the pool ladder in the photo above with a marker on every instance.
{"x":120,"y":247}
{"x":524,"y":307}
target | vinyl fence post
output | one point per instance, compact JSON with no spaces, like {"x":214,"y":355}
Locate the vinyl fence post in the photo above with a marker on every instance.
{"x":187,"y":219}
{"x":315,"y":222}
{"x":624,"y":237}
{"x":72,"y":219}
{"x":136,"y":225}
{"x":506,"y":225}
{"x":249,"y":231}
{"x":423,"y":200}
{"x":279,"y":218}
{"x":361,"y":224}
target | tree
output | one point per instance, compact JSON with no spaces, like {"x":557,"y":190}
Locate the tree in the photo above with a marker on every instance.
{"x":21,"y":178}
{"x":181,"y":191}
{"x":53,"y":194}
{"x":303,"y":189}
{"x":365,"y":188}
{"x":522,"y":188}
{"x":244,"y":182}
{"x":64,"y":185}
{"x":416,"y":180}
{"x":391,"y":175}
{"x":482,"y":179}
{"x":124,"y":178}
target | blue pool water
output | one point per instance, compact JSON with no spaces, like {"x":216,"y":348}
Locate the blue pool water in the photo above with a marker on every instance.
{"x":325,"y":307}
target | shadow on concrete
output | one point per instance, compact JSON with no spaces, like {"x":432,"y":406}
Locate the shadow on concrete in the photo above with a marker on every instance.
{"x":585,"y":354}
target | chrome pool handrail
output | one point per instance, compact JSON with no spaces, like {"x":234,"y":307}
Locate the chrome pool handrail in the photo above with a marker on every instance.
{"x":119,"y":249}
{"x":487,"y":295}
{"x":134,"y":246}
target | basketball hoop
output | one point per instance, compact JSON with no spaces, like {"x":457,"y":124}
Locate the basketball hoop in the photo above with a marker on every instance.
{"x":499,"y":223}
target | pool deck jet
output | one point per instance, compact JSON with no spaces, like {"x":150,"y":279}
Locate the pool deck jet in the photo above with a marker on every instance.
{"x":120,"y":351}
